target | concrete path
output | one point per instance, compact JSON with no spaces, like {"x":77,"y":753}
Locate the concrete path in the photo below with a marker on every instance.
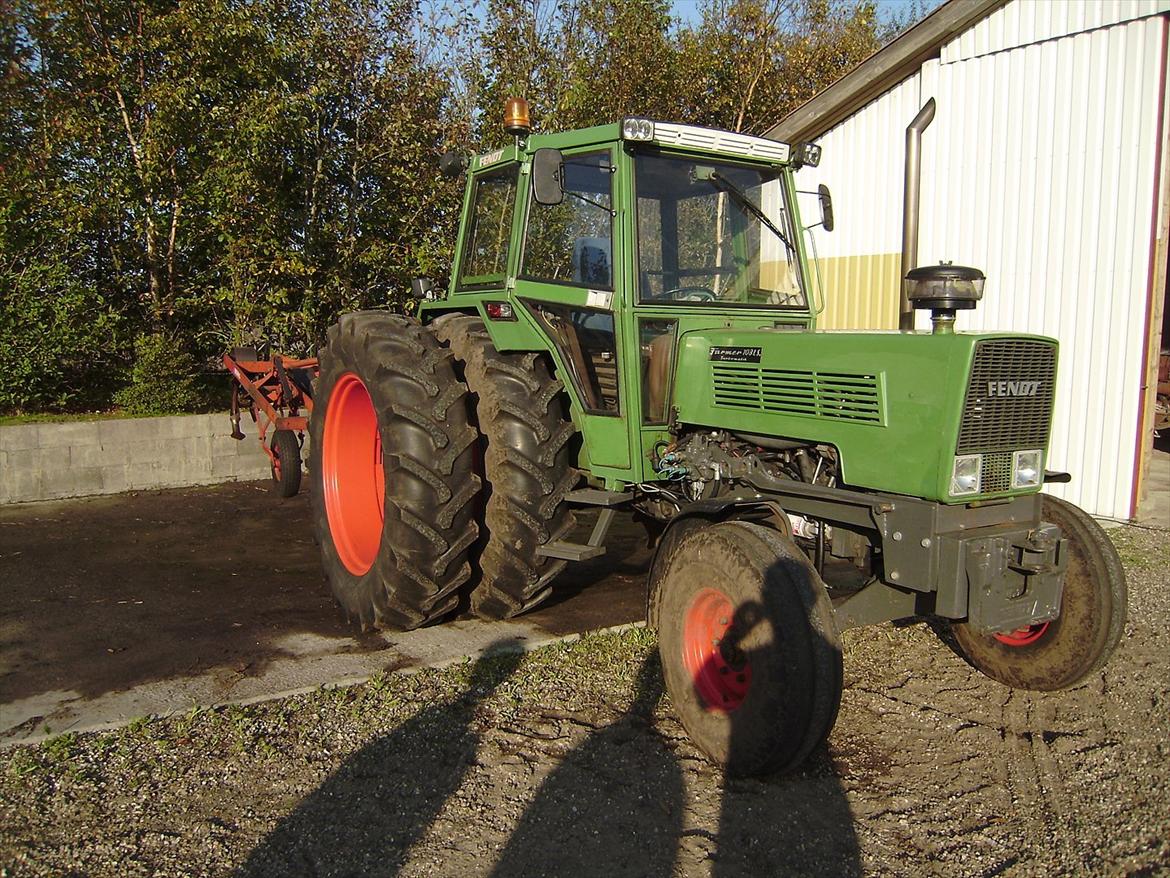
{"x":1154,"y":509}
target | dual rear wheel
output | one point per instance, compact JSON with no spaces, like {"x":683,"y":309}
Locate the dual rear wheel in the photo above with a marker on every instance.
{"x":392,"y":454}
{"x":426,"y":496}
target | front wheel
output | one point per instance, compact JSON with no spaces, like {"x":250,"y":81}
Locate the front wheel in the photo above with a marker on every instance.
{"x":749,"y":646}
{"x":1065,"y":651}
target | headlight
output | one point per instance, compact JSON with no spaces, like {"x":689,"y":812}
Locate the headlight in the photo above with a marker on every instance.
{"x":1026,"y":471}
{"x":637,"y":129}
{"x":965,"y":474}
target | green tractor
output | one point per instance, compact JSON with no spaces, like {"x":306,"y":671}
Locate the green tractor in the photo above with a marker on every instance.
{"x":631,"y":326}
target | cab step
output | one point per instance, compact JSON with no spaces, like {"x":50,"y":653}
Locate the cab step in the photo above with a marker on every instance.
{"x":567,"y":551}
{"x":598,"y":497}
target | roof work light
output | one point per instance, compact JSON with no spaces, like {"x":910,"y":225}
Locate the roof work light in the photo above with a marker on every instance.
{"x":806,"y":154}
{"x":637,"y":129}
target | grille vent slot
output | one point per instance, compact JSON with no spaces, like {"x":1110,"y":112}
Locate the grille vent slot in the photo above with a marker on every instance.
{"x":834,"y":395}
{"x":995,"y":418}
{"x":996,"y":473}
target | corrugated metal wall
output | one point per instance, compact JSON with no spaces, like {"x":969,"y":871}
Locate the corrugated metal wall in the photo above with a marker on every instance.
{"x":1039,"y":169}
{"x":1033,"y":21}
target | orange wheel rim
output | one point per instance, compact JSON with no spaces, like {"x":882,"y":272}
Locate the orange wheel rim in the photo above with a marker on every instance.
{"x":352,"y":474}
{"x":722,"y":675}
{"x":1025,"y":636}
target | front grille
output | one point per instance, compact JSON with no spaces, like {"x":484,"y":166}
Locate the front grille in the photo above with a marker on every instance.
{"x":1004,"y":411}
{"x":833,"y":395}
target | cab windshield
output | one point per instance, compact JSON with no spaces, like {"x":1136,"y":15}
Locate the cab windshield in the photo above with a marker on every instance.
{"x":716,"y":233}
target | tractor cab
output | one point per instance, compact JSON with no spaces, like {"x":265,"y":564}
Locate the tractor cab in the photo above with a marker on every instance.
{"x":615,"y":241}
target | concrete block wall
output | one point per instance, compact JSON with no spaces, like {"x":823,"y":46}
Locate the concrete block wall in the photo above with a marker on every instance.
{"x":81,"y":458}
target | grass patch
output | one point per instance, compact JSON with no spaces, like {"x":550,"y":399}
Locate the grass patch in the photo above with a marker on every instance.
{"x":59,"y":418}
{"x":1141,"y":549}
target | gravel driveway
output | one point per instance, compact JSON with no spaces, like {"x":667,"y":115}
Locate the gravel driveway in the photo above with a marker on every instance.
{"x":567,"y":761}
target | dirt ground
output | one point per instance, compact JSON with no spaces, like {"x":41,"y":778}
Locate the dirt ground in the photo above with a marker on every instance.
{"x":568,"y":761}
{"x":104,"y":594}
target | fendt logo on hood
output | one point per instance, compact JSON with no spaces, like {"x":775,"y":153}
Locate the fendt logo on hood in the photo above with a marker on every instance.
{"x":1013,"y":388}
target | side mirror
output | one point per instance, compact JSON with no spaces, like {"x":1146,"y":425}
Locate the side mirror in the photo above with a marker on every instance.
{"x":826,"y":200}
{"x":548,"y":175}
{"x":452,"y":164}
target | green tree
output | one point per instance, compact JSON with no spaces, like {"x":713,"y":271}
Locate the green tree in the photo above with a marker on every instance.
{"x":205,"y":172}
{"x":210,"y":172}
{"x":749,"y":62}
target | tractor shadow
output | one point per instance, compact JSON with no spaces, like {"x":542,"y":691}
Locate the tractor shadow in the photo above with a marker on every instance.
{"x":632,"y":797}
{"x":104,"y":594}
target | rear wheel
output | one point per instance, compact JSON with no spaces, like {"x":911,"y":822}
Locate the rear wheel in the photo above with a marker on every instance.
{"x":525,"y":466}
{"x":749,"y":646}
{"x":286,"y":463}
{"x":391,"y":464}
{"x":1063,"y":652}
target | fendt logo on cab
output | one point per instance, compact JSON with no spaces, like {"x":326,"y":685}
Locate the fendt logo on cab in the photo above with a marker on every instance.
{"x":1013,"y":388}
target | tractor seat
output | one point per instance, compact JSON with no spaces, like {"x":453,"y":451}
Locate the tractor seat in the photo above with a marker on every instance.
{"x":591,"y":262}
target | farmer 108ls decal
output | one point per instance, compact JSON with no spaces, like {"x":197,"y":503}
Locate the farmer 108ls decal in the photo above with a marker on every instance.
{"x":631,"y":325}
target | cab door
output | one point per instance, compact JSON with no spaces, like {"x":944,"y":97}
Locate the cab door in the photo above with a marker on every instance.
{"x":569,"y":279}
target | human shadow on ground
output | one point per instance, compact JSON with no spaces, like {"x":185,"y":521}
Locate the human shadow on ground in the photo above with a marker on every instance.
{"x":364,"y":818}
{"x":621,"y":804}
{"x":613,"y":807}
{"x":792,"y":823}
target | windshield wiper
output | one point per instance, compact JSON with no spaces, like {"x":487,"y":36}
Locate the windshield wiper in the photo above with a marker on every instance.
{"x":747,"y":204}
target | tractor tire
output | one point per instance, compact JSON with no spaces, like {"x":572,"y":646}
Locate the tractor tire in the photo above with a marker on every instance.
{"x":1061,"y":653}
{"x":524,"y":463}
{"x":749,"y":646}
{"x":286,"y":465}
{"x":391,"y":466}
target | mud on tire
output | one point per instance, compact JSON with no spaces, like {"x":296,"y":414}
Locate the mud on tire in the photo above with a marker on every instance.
{"x":1063,"y":652}
{"x":749,"y":646}
{"x":391,"y":467}
{"x":526,"y":468}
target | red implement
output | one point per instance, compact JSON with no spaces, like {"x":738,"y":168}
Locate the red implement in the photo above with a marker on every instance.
{"x":278,"y":394}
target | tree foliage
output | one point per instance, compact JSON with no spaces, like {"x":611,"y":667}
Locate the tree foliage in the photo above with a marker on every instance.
{"x":212,"y":172}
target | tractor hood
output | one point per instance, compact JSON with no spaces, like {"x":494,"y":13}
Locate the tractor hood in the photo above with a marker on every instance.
{"x":898,"y":406}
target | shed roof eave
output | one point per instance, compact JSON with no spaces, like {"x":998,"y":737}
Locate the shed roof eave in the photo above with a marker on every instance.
{"x":882,"y":70}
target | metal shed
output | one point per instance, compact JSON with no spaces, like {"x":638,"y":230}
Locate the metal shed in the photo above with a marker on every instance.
{"x":1044,"y":166}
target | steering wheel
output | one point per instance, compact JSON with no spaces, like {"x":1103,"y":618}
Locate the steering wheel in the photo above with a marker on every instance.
{"x":688,"y":294}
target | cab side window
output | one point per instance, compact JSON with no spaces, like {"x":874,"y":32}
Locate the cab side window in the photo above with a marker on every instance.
{"x":485,"y":251}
